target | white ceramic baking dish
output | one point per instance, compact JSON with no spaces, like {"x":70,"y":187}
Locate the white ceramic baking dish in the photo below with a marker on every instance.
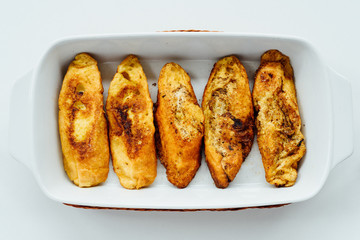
{"x":324,"y":97}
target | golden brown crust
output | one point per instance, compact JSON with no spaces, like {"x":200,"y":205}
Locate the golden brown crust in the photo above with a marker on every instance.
{"x":229,"y":120}
{"x":82,"y":123}
{"x":131,"y":131}
{"x":278,"y":122}
{"x":180,"y":124}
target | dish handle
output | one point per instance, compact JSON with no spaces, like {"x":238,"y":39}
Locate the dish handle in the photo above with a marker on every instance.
{"x":19,"y":122}
{"x":343,"y":138}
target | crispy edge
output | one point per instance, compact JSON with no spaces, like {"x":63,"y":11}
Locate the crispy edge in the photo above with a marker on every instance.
{"x":274,"y":55}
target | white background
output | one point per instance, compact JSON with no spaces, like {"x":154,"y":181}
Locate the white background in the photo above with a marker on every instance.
{"x":28,"y":28}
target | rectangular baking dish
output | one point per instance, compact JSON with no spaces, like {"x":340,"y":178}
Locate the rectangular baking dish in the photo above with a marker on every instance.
{"x":324,"y":98}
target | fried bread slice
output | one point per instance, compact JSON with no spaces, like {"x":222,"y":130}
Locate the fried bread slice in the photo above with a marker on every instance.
{"x":131,"y":126}
{"x":82,"y":123}
{"x":278,"y":123}
{"x":180,"y":123}
{"x":229,"y":120}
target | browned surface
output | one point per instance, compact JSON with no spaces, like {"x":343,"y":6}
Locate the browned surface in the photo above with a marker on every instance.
{"x":175,"y":210}
{"x":82,"y":123}
{"x":131,"y":131}
{"x":229,"y":120}
{"x":278,"y":122}
{"x":180,"y":123}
